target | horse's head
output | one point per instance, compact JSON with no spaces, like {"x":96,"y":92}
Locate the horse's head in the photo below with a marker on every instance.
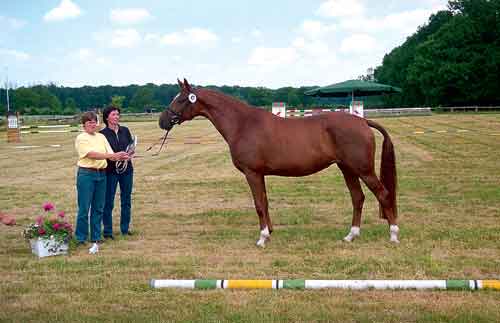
{"x":183,"y":107}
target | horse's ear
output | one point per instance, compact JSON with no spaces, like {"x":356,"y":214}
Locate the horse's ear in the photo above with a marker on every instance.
{"x":180,"y":83}
{"x":187,"y":86}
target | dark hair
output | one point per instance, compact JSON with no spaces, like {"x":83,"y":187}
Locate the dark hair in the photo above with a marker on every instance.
{"x":89,"y":116}
{"x":107,"y":111}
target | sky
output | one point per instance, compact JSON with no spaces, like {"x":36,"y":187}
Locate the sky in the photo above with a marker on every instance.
{"x":269,"y":43}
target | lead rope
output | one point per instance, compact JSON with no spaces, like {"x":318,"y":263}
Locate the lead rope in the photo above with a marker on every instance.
{"x":163,"y":142}
{"x":122,"y":165}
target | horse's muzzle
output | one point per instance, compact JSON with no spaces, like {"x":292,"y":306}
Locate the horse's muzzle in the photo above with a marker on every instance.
{"x":165,"y":121}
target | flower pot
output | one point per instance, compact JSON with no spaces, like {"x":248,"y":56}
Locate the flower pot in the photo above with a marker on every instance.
{"x":44,"y":247}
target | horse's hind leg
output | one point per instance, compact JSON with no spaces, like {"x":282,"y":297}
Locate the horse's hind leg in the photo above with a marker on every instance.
{"x":382,"y":196}
{"x":258,"y":186}
{"x":357,"y":197}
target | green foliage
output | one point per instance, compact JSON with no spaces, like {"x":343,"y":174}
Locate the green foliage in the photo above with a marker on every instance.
{"x":117,"y":101}
{"x":70,"y":106}
{"x":453,"y":60}
{"x":259,"y":96}
{"x":143,"y":99}
{"x":35,"y":100}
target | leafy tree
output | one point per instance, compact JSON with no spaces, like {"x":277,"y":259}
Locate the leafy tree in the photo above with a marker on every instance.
{"x":117,"y":101}
{"x":259,"y":96}
{"x":48,"y":102}
{"x":25,"y":99}
{"x":394,"y":69}
{"x":281,"y":95}
{"x":143,"y":98}
{"x":453,"y":60}
{"x":369,"y":75}
{"x":293,"y":99}
{"x":70,"y":106}
{"x":460,"y":64}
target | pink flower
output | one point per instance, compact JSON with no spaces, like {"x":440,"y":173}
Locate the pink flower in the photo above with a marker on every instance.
{"x":56,"y":226}
{"x":39,"y":220}
{"x":41,"y":231}
{"x":47,"y":206}
{"x":60,"y":214}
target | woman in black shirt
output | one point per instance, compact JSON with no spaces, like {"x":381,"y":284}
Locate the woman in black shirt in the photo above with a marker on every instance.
{"x":122,"y":173}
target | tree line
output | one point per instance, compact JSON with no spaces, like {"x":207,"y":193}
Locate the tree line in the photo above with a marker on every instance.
{"x":453,"y":59}
{"x":52,"y":99}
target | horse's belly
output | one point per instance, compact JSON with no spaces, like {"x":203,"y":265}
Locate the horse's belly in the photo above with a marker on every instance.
{"x":298,"y":167}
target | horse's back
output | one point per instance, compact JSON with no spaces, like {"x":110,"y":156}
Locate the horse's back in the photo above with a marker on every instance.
{"x":334,"y":137}
{"x":287,"y":147}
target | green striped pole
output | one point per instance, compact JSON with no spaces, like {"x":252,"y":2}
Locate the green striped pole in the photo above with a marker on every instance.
{"x":319,"y":284}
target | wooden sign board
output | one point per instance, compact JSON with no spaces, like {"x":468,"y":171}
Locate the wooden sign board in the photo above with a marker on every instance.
{"x":13,"y":128}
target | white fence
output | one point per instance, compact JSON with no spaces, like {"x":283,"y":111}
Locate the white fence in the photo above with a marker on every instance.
{"x":370,"y":113}
{"x":468,"y":109}
{"x":60,"y":128}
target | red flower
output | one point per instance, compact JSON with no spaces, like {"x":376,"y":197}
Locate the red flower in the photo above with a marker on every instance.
{"x":60,"y":214}
{"x":56,"y":226}
{"x":41,"y":231}
{"x":47,"y":206}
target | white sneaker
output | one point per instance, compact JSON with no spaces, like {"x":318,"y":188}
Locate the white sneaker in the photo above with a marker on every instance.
{"x":94,"y":249}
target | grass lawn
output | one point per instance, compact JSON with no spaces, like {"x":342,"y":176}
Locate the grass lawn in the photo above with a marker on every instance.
{"x":194,"y":218}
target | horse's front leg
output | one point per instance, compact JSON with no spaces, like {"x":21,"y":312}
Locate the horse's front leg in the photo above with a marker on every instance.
{"x":258,"y":186}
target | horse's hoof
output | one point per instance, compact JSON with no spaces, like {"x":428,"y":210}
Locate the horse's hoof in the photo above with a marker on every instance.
{"x":394,"y":230}
{"x":264,"y":235}
{"x":348,"y":238}
{"x":352,"y":234}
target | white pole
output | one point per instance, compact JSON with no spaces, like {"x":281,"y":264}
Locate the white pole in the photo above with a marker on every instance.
{"x":7,"y":88}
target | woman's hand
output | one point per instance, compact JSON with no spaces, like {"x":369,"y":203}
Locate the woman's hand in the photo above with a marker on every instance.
{"x":119,"y":156}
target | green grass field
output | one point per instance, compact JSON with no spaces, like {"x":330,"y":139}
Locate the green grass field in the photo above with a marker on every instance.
{"x":194,"y":218}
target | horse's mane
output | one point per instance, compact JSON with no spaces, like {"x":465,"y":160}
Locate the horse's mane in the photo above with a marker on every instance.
{"x":217,"y":98}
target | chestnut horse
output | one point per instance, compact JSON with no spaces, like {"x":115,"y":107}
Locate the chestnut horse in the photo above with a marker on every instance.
{"x":264,"y":144}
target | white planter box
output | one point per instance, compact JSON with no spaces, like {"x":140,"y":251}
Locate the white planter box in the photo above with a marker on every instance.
{"x":48,"y":247}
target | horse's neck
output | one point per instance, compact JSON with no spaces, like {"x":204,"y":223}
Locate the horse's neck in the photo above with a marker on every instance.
{"x":226,"y":114}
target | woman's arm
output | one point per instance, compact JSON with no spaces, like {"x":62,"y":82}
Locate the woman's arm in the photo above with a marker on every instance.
{"x":115,"y":156}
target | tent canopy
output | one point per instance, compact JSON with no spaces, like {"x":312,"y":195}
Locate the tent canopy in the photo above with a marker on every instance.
{"x":353,"y":88}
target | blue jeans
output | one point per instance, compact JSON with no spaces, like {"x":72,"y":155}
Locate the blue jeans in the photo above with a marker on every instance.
{"x":126,"y":181}
{"x":91,"y":190}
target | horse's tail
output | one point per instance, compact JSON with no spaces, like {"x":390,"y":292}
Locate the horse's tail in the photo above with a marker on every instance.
{"x":388,"y":175}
